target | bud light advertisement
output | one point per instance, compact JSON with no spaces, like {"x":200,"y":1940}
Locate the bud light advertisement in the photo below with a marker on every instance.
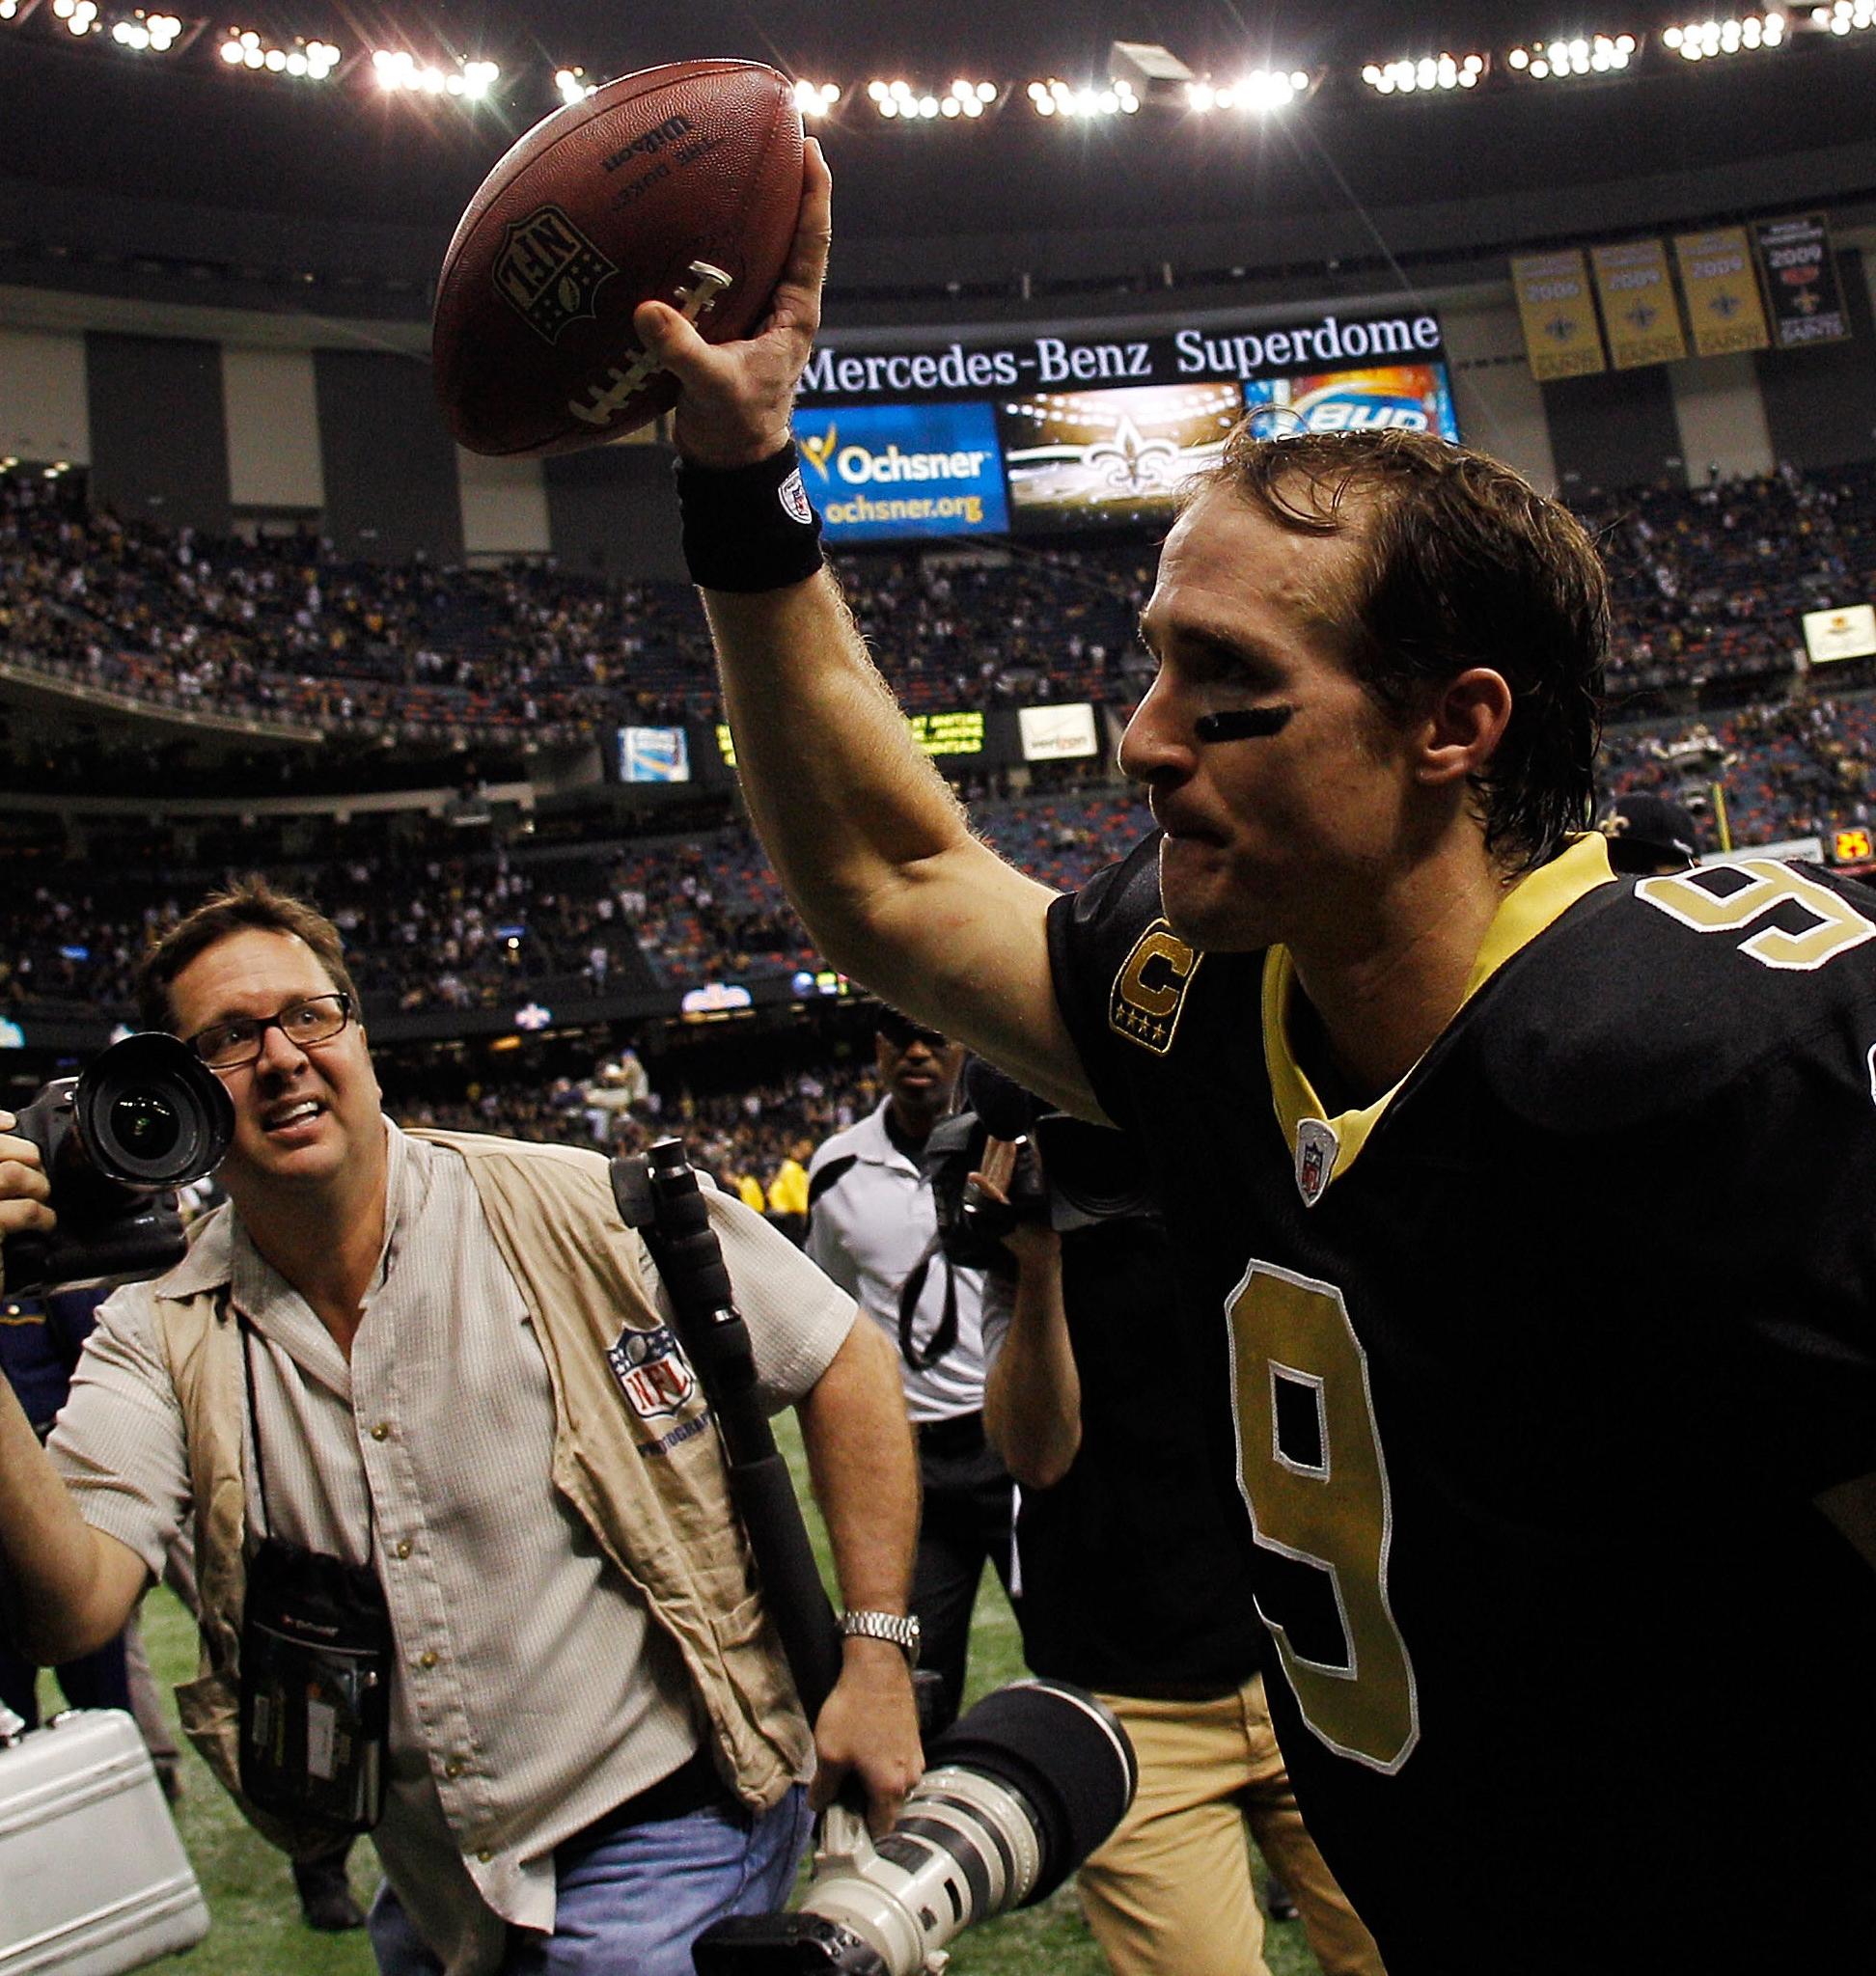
{"x":877,"y":473}
{"x":1414,"y":398}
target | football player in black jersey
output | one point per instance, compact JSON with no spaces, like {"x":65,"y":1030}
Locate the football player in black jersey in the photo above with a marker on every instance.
{"x":1532,"y":1203}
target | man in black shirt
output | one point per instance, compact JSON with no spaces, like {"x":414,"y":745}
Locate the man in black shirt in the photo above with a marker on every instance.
{"x":1135,"y":1587}
{"x":1532,"y":1201}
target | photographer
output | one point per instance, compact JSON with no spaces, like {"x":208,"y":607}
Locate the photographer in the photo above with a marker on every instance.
{"x":422,"y":1395}
{"x":1133,"y":1571}
{"x":872,"y":1226}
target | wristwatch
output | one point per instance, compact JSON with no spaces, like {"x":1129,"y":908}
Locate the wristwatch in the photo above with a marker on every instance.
{"x":901,"y":1629}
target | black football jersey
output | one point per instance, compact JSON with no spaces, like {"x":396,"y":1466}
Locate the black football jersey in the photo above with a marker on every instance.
{"x":1531,"y":1372}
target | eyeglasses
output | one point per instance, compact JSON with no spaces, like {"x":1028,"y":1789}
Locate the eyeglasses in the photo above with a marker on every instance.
{"x":901,"y":1034}
{"x":239,"y":1041}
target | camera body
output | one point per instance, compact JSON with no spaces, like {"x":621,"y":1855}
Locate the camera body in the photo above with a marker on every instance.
{"x":145,"y":1118}
{"x":1069,"y":1173}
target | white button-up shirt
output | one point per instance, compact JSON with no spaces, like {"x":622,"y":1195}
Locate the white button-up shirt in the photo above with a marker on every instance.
{"x":868,"y":1231}
{"x":533,"y":1695}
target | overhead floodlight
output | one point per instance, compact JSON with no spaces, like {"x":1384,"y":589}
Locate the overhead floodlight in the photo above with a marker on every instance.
{"x":1845,"y":17}
{"x":145,"y":33}
{"x":1560,"y":59}
{"x":1058,"y":98}
{"x":1259,"y":92}
{"x":1411,"y":75}
{"x":966,"y":98}
{"x":13,"y":12}
{"x":1709,"y":40}
{"x":817,"y":99}
{"x":80,"y":17}
{"x":400,"y":72}
{"x":572,"y":84}
{"x":298,"y":60}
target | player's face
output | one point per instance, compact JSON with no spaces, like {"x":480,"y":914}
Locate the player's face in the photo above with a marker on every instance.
{"x":302,"y":1114}
{"x":1289,"y":834}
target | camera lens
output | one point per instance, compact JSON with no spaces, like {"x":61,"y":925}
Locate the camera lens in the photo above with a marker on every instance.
{"x":151,"y":1114}
{"x":144,"y":1124}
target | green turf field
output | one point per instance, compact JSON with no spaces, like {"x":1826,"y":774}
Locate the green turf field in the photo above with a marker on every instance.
{"x":258,"y":1932}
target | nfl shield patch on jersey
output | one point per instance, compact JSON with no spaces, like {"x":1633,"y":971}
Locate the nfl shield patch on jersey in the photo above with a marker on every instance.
{"x":1316,"y":1147}
{"x":651,"y":1372}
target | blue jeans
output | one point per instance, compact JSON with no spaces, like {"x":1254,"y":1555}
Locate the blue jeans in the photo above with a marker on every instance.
{"x":632,"y":1903}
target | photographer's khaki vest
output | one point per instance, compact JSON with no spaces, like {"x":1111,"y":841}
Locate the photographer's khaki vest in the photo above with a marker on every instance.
{"x":657,"y":1503}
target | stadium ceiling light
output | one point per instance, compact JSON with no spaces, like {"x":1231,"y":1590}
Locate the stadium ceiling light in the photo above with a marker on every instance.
{"x":300,"y":61}
{"x":966,"y":98}
{"x":574,"y":87}
{"x":1847,"y":16}
{"x":13,"y":12}
{"x":1707,"y":40}
{"x":148,"y":34}
{"x":399,"y":71}
{"x":962,"y":101}
{"x":1056,"y":99}
{"x":1411,"y":75}
{"x":817,"y":99}
{"x":80,"y":17}
{"x":1260,"y":92}
{"x":1561,"y":60}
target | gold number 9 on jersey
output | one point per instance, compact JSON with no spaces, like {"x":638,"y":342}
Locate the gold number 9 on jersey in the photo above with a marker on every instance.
{"x":1318,"y":1493}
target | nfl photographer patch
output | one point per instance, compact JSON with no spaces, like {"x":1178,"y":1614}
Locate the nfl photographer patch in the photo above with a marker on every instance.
{"x":651,"y":1372}
{"x":1149,"y":991}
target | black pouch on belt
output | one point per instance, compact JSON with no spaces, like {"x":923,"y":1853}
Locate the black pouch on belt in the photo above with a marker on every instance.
{"x":316,"y":1688}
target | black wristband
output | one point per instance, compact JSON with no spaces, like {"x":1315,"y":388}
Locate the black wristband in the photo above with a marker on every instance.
{"x":748,"y":529}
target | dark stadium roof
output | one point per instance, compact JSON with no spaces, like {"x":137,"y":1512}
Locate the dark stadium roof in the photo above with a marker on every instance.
{"x":174,"y":176}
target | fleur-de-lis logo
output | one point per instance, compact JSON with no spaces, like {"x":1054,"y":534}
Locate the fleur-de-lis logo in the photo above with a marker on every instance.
{"x":1127,"y":460}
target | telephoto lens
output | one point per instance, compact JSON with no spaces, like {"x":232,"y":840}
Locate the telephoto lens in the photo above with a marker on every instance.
{"x":1018,"y":1793}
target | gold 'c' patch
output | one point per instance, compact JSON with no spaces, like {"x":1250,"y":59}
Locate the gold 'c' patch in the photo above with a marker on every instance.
{"x":1149,"y":991}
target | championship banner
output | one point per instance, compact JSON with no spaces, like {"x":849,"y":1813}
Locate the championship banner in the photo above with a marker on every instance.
{"x":1801,"y":282}
{"x":1724,"y":307}
{"x":1639,"y":308}
{"x":1561,"y":339}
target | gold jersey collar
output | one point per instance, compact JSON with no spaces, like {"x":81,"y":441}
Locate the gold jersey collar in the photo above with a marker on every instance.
{"x":1325,"y":1147}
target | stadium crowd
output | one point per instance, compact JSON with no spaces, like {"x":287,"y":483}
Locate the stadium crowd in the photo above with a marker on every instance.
{"x":1707,"y":689}
{"x":445,"y":929}
{"x":1709,"y":586}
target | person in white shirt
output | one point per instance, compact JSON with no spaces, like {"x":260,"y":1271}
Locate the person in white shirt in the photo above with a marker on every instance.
{"x":873,"y":1227}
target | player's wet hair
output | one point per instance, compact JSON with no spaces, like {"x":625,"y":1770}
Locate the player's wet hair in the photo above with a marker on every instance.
{"x":1458,"y":562}
{"x":249,"y":904}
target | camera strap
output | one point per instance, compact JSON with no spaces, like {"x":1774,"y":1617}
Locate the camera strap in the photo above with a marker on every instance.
{"x":316,"y":1655}
{"x":922,"y":1357}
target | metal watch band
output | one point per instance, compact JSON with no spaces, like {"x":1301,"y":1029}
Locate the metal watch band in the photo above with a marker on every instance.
{"x":899,"y":1628}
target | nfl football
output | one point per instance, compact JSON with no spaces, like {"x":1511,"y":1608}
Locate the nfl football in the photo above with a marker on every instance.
{"x":679,"y":184}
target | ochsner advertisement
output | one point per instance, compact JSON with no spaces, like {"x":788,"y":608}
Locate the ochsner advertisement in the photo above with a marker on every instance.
{"x":877,"y":472}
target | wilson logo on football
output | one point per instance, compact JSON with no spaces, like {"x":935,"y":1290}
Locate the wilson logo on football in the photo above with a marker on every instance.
{"x":1149,"y":990}
{"x":549,"y":271}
